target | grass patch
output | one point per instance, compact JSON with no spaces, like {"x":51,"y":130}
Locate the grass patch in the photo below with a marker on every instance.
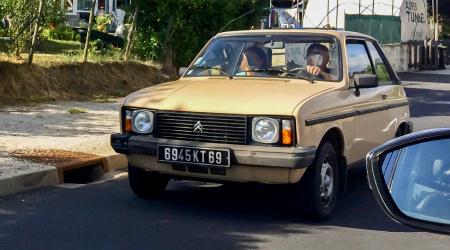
{"x":58,"y":46}
{"x":76,"y":111}
{"x":4,"y":45}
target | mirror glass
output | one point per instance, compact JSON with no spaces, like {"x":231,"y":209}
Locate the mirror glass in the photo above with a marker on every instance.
{"x":418,"y":179}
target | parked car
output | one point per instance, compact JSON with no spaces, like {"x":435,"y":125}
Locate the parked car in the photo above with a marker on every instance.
{"x":293,"y":107}
{"x":410,"y":178}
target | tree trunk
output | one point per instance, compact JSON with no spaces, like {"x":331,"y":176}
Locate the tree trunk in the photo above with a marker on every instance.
{"x":36,"y":30}
{"x":88,"y":35}
{"x":131,"y":33}
{"x":167,"y":55}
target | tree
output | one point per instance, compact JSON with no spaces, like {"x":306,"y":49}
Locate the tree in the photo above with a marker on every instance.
{"x":175,"y":30}
{"x":131,"y":33}
{"x":23,"y":15}
{"x":89,"y":31}
{"x":36,"y":30}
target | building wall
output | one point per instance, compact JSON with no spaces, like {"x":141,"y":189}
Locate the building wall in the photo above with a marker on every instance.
{"x":397,"y":54}
{"x":110,"y":6}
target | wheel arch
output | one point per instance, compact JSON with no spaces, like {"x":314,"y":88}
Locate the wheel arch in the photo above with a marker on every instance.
{"x":404,"y":128}
{"x":336,"y":138}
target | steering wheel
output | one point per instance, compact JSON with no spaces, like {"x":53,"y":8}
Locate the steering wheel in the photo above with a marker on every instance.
{"x":299,"y":71}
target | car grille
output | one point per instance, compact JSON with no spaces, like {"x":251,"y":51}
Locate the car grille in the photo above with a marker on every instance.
{"x":228,"y":129}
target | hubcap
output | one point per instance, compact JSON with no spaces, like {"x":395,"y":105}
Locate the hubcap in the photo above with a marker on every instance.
{"x":326,"y":183}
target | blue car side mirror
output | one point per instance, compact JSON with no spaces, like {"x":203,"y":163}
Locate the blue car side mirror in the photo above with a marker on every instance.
{"x":410,"y":178}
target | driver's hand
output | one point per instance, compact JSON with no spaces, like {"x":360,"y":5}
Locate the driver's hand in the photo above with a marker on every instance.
{"x":313,"y":70}
{"x":244,"y":63}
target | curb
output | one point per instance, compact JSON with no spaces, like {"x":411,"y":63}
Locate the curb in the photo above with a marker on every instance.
{"x":27,"y":181}
{"x":53,"y":176}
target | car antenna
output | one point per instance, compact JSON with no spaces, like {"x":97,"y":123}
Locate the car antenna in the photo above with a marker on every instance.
{"x":246,"y":13}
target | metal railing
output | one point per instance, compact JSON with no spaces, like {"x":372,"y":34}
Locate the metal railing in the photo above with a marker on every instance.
{"x":423,"y":56}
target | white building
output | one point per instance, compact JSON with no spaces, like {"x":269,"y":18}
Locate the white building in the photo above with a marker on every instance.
{"x":413,"y":14}
{"x":82,"y":7}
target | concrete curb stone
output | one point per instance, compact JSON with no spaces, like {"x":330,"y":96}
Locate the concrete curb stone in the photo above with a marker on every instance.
{"x":45,"y":176}
{"x":11,"y":184}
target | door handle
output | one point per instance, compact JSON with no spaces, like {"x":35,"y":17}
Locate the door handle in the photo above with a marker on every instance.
{"x":384,"y":97}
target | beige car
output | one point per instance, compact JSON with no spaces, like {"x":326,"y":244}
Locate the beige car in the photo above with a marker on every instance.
{"x":296,"y":107}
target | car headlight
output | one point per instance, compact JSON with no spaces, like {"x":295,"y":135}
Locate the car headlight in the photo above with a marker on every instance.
{"x":142,"y":121}
{"x":265,"y":130}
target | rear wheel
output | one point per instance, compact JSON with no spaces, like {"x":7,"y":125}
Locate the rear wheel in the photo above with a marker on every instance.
{"x":402,"y":130}
{"x":146,"y":184}
{"x":319,"y":186}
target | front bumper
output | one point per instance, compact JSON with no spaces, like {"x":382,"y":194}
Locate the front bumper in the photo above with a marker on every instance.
{"x":294,"y":158}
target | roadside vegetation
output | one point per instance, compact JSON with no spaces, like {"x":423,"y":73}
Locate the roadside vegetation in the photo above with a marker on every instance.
{"x":160,"y":36}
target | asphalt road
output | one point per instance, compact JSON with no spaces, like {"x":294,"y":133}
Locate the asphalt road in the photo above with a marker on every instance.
{"x":200,"y":216}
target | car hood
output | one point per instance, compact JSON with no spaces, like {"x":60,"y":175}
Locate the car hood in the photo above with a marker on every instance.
{"x":227,"y":96}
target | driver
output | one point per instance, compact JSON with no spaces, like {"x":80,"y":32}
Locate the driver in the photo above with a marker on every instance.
{"x":317,"y":61}
{"x":253,"y":59}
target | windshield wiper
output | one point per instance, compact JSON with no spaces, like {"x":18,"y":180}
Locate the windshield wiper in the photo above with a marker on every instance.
{"x":282,"y":73}
{"x":213,"y":67}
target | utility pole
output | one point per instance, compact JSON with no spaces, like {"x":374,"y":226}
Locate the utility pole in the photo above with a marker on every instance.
{"x":328,"y":12}
{"x":270,"y":14}
{"x":392,"y":7}
{"x":436,"y":28}
{"x":373,"y":7}
{"x":337,"y":13}
{"x":89,"y":31}
{"x":36,"y":31}
{"x":359,"y":7}
{"x":131,"y":33}
{"x":434,"y":18}
{"x":303,"y":12}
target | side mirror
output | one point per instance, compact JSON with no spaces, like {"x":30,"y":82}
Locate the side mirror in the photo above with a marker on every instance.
{"x":182,"y":70}
{"x":365,"y":80}
{"x":410,"y":178}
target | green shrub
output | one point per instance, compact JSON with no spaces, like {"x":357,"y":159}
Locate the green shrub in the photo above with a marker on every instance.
{"x":146,"y":45}
{"x":60,"y":32}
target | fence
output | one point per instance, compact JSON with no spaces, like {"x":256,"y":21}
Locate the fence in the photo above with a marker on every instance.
{"x":386,"y":29}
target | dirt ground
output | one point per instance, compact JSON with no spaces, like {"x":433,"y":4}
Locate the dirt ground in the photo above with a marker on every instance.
{"x":21,"y":84}
{"x":49,"y":134}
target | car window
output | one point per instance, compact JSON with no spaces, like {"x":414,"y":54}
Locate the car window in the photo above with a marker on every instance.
{"x":219,"y":59}
{"x":280,"y":56}
{"x":358,"y":59}
{"x":380,"y":67}
{"x":421,"y":183}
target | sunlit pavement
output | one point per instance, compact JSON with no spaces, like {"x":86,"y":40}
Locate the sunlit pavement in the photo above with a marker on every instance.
{"x":198,"y":216}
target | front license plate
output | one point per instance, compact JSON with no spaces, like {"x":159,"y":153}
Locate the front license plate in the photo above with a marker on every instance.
{"x":196,"y":156}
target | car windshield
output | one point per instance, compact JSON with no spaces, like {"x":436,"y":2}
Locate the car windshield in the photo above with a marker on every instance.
{"x":285,"y":56}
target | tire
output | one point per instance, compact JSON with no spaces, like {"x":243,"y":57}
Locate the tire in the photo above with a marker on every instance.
{"x":318,"y":189}
{"x":146,"y":184}
{"x":401,"y":131}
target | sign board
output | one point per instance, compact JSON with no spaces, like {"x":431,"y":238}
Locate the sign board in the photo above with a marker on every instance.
{"x":412,"y":13}
{"x":414,"y":21}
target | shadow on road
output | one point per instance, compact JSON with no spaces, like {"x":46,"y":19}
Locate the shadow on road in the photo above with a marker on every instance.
{"x":190,"y":216}
{"x":427,"y":78}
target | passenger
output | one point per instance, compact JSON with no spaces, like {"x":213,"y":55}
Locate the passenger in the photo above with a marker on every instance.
{"x":253,"y":61}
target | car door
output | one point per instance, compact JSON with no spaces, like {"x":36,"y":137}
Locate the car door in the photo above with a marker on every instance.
{"x":395,"y":100}
{"x":372,"y":122}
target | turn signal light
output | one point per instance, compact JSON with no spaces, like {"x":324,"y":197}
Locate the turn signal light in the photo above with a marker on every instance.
{"x":128,"y":118}
{"x":286,"y":132}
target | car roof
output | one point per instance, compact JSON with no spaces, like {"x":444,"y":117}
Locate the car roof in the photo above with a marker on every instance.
{"x":332,"y":32}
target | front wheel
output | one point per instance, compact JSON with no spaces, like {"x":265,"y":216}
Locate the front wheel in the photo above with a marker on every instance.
{"x":320,"y":185}
{"x":146,"y":184}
